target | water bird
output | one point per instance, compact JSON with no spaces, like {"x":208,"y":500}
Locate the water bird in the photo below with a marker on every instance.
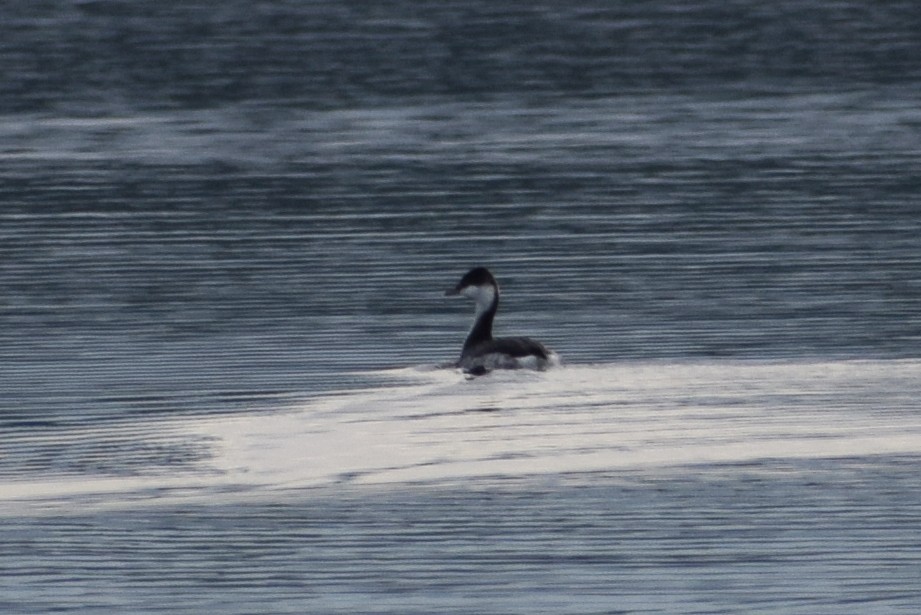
{"x":482,"y":352}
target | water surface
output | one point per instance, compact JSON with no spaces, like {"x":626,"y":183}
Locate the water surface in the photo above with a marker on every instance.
{"x":224,"y":238}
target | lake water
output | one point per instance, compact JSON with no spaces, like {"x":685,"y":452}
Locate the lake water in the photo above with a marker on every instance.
{"x":225,"y":234}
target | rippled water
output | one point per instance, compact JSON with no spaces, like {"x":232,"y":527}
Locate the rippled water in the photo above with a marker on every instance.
{"x":642,"y":487}
{"x":225,"y":234}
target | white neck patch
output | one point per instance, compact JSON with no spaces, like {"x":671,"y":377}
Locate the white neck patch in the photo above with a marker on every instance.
{"x":482,"y":295}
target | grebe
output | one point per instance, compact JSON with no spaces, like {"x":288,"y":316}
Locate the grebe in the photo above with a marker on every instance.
{"x":482,"y":352}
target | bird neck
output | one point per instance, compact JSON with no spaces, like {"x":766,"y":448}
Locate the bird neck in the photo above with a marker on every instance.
{"x":487,"y":302}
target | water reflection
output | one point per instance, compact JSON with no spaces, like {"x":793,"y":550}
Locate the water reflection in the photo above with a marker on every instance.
{"x":221,"y":225}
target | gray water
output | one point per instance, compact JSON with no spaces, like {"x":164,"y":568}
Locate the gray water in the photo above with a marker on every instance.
{"x":225,"y":233}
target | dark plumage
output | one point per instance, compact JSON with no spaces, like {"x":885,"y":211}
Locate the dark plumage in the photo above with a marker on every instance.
{"x":482,"y":352}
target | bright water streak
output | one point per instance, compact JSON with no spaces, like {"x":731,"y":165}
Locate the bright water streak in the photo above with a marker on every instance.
{"x":434,"y":426}
{"x":648,"y":486}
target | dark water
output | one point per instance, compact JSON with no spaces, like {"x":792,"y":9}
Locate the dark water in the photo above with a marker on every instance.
{"x":224,"y":236}
{"x":709,"y":543}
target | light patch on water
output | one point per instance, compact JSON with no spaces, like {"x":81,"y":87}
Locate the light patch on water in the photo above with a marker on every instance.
{"x":577,"y":419}
{"x":435,"y":426}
